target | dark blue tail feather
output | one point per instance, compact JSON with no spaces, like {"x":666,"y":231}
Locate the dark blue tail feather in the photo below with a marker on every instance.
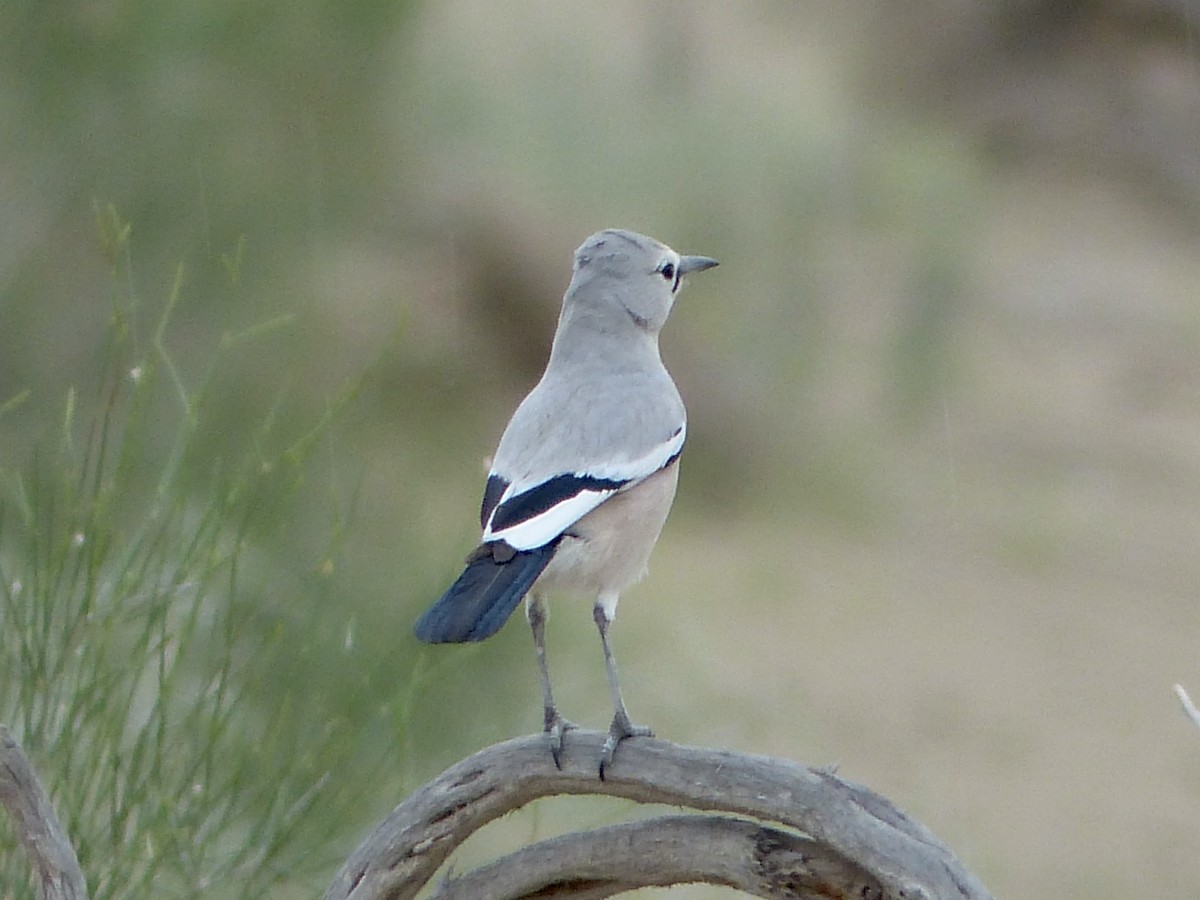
{"x":484,"y":596}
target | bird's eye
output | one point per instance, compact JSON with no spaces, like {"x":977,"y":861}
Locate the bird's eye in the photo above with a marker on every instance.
{"x":668,"y":271}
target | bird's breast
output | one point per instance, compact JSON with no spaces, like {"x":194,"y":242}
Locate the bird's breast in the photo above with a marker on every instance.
{"x":608,"y":550}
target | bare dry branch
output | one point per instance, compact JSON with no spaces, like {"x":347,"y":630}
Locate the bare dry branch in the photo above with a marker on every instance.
{"x":853,"y":842}
{"x":749,"y":856}
{"x":44,"y":838}
{"x":1188,"y":706}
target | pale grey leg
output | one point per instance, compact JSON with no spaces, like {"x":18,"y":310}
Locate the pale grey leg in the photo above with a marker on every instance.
{"x":621,"y":727}
{"x":553,"y":722}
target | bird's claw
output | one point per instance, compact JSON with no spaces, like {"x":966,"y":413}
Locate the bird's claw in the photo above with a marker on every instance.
{"x":556,"y":726}
{"x":620,"y":729}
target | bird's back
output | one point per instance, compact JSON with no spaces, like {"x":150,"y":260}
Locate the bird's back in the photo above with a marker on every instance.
{"x":616,"y":416}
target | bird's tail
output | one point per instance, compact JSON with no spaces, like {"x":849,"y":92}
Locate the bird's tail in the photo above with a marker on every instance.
{"x":485,"y":594}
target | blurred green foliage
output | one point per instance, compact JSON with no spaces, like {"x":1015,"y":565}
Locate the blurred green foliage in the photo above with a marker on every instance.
{"x":212,"y":126}
{"x":159,"y":616}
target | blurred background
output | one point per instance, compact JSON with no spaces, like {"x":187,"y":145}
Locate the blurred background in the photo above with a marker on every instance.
{"x":937,"y":520}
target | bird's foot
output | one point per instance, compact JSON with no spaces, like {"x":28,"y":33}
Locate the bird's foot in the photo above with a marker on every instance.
{"x":555,"y":727}
{"x":620,"y":729}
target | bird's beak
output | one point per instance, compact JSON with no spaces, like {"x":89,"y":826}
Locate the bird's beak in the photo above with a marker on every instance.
{"x":689,"y":264}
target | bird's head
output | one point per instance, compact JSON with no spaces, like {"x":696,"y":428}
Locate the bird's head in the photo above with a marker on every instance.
{"x":629,"y":276}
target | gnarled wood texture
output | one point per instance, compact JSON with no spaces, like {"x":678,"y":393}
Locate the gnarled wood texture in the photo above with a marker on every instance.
{"x":45,"y":840}
{"x":783,"y":830}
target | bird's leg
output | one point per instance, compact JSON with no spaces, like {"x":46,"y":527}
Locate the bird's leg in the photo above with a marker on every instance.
{"x":621,"y":727}
{"x":553,"y":722}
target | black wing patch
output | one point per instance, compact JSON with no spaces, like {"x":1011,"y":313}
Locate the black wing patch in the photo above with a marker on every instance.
{"x":496,"y":486}
{"x":546,"y":496}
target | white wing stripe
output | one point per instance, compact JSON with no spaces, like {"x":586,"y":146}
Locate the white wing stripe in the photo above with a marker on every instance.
{"x":543,"y":528}
{"x":643,"y":466}
{"x":546,"y":525}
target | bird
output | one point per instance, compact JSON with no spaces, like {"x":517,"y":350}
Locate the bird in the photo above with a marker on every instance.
{"x":585,"y":472}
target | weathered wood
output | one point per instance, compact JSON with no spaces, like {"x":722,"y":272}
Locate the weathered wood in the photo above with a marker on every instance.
{"x":855,"y":833}
{"x":38,"y":828}
{"x":754,"y":858}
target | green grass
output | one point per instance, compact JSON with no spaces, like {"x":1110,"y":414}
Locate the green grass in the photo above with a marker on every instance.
{"x":159,"y":612}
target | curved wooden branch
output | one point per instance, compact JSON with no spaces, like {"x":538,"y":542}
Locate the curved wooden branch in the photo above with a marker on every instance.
{"x":855,"y":833}
{"x":38,"y":827}
{"x":749,"y":856}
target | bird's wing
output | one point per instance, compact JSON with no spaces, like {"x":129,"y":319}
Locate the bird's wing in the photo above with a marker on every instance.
{"x":530,"y":512}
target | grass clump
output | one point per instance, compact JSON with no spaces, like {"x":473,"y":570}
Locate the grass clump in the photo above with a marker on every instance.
{"x":154,"y":627}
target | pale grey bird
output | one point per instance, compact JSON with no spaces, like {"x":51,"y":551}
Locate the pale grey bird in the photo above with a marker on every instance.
{"x":585,"y":472}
